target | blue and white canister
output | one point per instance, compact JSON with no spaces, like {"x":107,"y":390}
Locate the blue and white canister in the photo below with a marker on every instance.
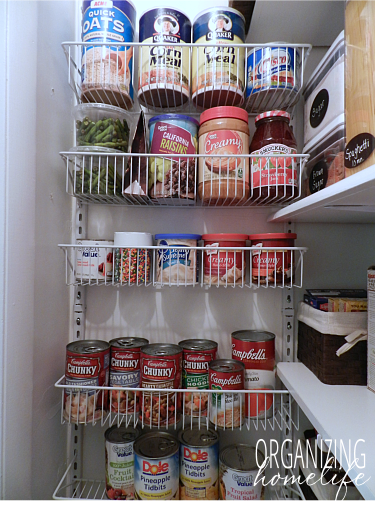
{"x":177,"y":259}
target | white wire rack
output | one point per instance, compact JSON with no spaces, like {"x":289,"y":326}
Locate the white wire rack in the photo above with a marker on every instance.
{"x":135,"y":179}
{"x":166,"y":266}
{"x":173,"y":77}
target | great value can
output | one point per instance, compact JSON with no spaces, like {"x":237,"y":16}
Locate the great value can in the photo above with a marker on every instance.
{"x":227,"y":409}
{"x":273,"y":73}
{"x":125,"y":371}
{"x":156,"y":467}
{"x":197,"y":354}
{"x":119,"y":462}
{"x":107,"y":70}
{"x":218,"y":69}
{"x":256,"y":350}
{"x":199,"y":464}
{"x":94,"y":259}
{"x":161,"y":368}
{"x":87,"y":364}
{"x":164,"y":71}
{"x":238,"y":471}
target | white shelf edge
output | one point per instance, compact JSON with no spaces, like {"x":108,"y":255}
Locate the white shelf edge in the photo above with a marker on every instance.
{"x":349,"y":200}
{"x":335,"y":419}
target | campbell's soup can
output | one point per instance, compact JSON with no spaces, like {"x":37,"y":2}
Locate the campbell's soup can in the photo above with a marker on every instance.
{"x":227,"y":409}
{"x":256,"y":350}
{"x":197,"y":355}
{"x":239,"y":473}
{"x":87,"y":364}
{"x":218,"y":69}
{"x":125,"y":371}
{"x":161,"y":368}
{"x":199,"y":463}
{"x":119,"y":462}
{"x":106,"y":70}
{"x":164,"y":71}
{"x":156,"y":467}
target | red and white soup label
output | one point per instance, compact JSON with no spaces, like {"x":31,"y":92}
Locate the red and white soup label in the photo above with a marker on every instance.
{"x":227,"y":409}
{"x":270,"y":169}
{"x":162,"y":369}
{"x":197,"y":362}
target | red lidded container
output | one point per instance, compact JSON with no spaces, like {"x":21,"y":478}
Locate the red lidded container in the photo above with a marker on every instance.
{"x":272,"y":267}
{"x":226,"y":267}
{"x":273,"y":177}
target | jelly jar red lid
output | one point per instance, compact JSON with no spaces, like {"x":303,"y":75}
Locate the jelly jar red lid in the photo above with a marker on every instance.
{"x":226,"y":111}
{"x":273,"y":236}
{"x":272,"y":113}
{"x":224,"y":236}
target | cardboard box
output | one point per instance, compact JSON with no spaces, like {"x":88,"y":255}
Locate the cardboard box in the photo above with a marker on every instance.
{"x":352,"y":305}
{"x":371,"y":328}
{"x":327,"y":300}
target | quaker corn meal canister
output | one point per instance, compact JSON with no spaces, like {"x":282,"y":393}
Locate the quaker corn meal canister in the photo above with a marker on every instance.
{"x":218,"y":68}
{"x":161,"y":368}
{"x":225,"y":267}
{"x":223,"y":174}
{"x":272,"y":266}
{"x":173,"y":176}
{"x":256,"y":350}
{"x":107,"y":70}
{"x":94,"y":260}
{"x":199,"y":464}
{"x":177,"y":262}
{"x":273,"y":77}
{"x":197,"y":354}
{"x":125,"y":371}
{"x":87,"y":364}
{"x":164,"y":71}
{"x":227,"y":409}
{"x":156,"y":467}
{"x":238,"y":469}
{"x":119,"y":462}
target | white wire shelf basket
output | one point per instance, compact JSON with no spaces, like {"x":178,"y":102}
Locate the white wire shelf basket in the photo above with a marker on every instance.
{"x":150,"y":180}
{"x":173,"y":409}
{"x":163,"y":266}
{"x":187,"y":77}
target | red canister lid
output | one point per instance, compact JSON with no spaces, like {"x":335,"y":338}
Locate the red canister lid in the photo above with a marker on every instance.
{"x":273,"y":236}
{"x":220,"y":112}
{"x":225,"y":236}
{"x":272,"y":113}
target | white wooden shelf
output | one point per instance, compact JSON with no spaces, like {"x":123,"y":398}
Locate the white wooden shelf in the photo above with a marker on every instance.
{"x":351,"y":200}
{"x":338,"y":413}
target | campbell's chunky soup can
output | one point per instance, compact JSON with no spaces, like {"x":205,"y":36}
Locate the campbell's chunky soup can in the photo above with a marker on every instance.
{"x":224,"y":266}
{"x":164,"y":71}
{"x":218,"y":68}
{"x":125,"y":371}
{"x":119,"y":462}
{"x":199,"y":464}
{"x":239,"y":473}
{"x":227,"y":409}
{"x":197,"y":355}
{"x":106,"y":70}
{"x":156,"y":467}
{"x":256,"y":350}
{"x":87,"y":364}
{"x":161,"y":368}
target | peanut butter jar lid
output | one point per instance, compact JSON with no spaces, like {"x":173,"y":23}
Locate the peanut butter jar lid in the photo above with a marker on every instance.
{"x":224,"y":112}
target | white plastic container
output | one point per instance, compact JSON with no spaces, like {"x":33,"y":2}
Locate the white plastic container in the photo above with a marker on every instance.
{"x":324,"y":92}
{"x":94,"y":259}
{"x":326,"y":163}
{"x":132,"y":258}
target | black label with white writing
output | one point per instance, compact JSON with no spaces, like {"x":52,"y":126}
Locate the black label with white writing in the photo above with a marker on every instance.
{"x":318,"y":177}
{"x":319,"y":108}
{"x":358,"y":149}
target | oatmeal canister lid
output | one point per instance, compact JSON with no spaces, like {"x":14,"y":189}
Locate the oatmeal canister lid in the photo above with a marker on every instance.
{"x":198,"y":437}
{"x":253,"y":335}
{"x":224,"y":112}
{"x":242,"y":457}
{"x":121,"y":434}
{"x":161,"y":349}
{"x":226,"y":365}
{"x":272,"y":113}
{"x":198,"y":344}
{"x":87,"y":346}
{"x":129,"y":342}
{"x":273,"y":236}
{"x":156,"y":445}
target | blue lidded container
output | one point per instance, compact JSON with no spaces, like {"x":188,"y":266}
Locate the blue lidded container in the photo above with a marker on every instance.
{"x":179,"y":266}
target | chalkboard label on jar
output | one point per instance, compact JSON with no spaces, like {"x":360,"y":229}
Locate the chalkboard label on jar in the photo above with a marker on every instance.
{"x":319,"y":108}
{"x":318,"y":177}
{"x":358,"y":149}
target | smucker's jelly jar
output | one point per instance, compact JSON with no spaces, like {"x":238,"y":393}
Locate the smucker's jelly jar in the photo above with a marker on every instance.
{"x":273,"y":177}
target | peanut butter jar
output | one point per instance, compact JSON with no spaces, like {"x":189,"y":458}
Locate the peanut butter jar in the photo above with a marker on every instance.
{"x":223,"y":170}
